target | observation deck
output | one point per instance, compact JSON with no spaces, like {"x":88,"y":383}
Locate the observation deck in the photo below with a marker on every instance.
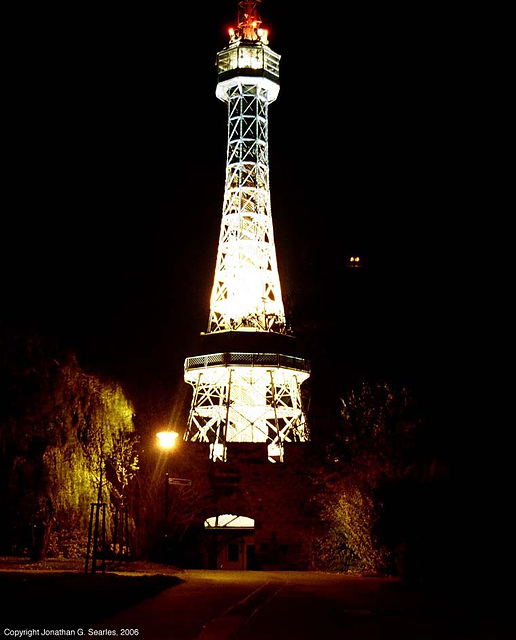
{"x":267,"y":360}
{"x":248,"y":60}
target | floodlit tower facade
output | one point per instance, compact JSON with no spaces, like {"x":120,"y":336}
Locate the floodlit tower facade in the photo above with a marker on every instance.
{"x":247,"y":381}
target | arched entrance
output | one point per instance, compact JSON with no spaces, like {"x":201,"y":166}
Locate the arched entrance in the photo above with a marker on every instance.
{"x":231,"y":542}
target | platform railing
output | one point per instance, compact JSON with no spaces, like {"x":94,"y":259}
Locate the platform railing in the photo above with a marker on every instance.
{"x":243,"y":359}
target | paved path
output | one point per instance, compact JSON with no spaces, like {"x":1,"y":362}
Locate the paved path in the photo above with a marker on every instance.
{"x":216,"y":605}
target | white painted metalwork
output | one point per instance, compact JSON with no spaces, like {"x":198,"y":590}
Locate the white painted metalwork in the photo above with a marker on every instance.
{"x":246,"y":290}
{"x":247,"y":397}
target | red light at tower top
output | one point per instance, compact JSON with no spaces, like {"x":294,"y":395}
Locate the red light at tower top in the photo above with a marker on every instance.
{"x":249,"y":24}
{"x":248,"y":19}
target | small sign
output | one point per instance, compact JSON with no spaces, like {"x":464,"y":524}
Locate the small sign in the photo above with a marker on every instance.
{"x":182,"y":481}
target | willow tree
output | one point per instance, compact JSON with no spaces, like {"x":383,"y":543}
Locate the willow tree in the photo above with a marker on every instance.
{"x":59,"y":428}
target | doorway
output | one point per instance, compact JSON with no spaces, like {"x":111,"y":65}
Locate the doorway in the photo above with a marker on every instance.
{"x":231,"y":542}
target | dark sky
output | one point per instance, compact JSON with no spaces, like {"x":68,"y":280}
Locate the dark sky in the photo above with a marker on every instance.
{"x":117,"y":168}
{"x":114,"y":147}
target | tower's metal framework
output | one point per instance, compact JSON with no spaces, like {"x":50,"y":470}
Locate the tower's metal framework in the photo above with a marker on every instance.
{"x":247,"y":383}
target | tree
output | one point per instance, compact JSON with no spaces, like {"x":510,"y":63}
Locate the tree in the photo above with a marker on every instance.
{"x":59,"y":427}
{"x":377,"y":451}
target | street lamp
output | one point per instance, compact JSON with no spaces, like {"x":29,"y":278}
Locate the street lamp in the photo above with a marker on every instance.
{"x":167,"y":439}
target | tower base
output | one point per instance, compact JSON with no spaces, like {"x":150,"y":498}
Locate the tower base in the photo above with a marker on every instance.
{"x":274,"y":499}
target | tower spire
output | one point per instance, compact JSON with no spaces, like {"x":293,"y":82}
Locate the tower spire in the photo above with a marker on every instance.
{"x":249,"y":27}
{"x":248,"y":19}
{"x":247,"y":382}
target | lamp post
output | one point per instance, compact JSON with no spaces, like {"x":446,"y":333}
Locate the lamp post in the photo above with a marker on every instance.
{"x":166,"y":442}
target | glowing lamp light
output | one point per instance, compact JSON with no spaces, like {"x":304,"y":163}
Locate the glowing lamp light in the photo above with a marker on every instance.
{"x":167,"y":439}
{"x":231,"y":31}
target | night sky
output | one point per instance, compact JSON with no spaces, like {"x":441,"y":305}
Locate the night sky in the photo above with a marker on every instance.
{"x":117,"y":174}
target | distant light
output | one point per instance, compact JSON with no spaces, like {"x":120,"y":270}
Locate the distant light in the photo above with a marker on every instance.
{"x":231,"y":31}
{"x":354,"y":262}
{"x":167,"y":439}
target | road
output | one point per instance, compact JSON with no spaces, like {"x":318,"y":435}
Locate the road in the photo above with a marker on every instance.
{"x":216,"y":605}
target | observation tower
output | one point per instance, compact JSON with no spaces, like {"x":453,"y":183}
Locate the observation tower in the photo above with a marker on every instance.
{"x":247,"y":379}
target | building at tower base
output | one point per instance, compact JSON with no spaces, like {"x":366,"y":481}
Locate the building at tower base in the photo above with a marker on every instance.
{"x":258,"y":515}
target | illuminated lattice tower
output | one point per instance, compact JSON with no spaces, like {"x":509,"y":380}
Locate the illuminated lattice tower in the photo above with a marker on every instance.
{"x":247,"y":383}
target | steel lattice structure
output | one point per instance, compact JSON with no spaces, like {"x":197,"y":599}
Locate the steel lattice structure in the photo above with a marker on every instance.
{"x":250,"y":390}
{"x":247,"y":288}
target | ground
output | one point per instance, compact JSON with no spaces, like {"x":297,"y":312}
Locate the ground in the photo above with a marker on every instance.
{"x":61,"y":587}
{"x":57,"y":595}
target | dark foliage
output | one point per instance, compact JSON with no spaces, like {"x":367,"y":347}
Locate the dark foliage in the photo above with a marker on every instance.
{"x":379,"y":486}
